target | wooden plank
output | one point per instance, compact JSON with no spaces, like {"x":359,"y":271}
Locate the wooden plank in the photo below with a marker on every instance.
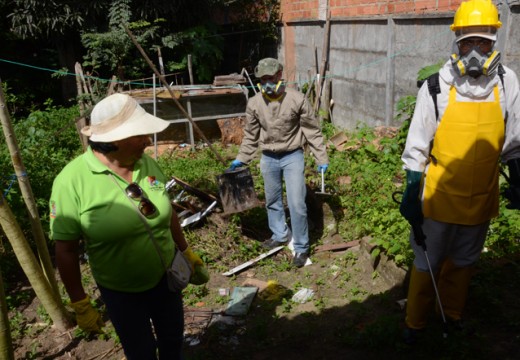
{"x":336,"y":247}
{"x":251,"y":262}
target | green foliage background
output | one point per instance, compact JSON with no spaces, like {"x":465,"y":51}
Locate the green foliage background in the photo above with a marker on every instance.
{"x":363,"y":205}
{"x":47,"y":140}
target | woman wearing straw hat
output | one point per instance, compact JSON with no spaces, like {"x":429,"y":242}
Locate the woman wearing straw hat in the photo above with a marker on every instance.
{"x":113,"y":198}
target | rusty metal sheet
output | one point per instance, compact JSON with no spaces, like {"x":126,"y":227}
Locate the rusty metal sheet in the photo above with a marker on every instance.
{"x":237,"y":191}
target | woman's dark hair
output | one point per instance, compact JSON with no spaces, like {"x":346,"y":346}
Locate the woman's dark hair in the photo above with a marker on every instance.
{"x":103,"y":147}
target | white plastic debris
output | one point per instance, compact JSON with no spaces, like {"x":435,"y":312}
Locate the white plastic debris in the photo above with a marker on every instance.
{"x":303,"y":295}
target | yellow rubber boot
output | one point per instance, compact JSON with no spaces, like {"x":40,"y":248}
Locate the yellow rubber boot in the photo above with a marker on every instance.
{"x":453,"y":288}
{"x":421,"y":298}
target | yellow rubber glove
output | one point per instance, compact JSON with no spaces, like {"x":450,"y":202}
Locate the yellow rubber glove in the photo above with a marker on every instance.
{"x":87,"y":317}
{"x":193,"y":258}
{"x":199,"y":273}
{"x":200,"y":276}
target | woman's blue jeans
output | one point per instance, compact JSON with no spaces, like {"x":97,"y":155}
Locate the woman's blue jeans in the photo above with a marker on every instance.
{"x":290,"y":167}
{"x":133,"y":314}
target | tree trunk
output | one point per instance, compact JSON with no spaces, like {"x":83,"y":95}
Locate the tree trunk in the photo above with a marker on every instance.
{"x":67,"y":59}
{"x":6,"y":343}
{"x":30,"y":266}
{"x":25,"y":187}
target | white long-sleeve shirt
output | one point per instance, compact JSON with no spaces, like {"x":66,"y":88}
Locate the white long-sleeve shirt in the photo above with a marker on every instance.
{"x":424,"y":122}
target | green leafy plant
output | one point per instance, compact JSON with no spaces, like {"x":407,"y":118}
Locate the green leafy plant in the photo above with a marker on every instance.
{"x":429,"y":70}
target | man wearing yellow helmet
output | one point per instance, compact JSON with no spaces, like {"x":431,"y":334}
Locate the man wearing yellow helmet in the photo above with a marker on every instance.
{"x":456,"y":138}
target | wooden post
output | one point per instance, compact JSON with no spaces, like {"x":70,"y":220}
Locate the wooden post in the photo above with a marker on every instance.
{"x":82,"y":121}
{"x":190,"y":69}
{"x":161,"y":66}
{"x":188,"y":102}
{"x":324,"y":62}
{"x":390,"y":72}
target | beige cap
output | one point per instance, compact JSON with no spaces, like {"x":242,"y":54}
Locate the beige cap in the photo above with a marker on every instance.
{"x":267,"y":66}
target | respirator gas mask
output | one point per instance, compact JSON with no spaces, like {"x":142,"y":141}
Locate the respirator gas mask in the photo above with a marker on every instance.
{"x":475,"y":62}
{"x":270,"y":89}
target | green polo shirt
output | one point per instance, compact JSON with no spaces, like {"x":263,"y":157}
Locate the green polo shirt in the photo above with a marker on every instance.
{"x":88,"y":202}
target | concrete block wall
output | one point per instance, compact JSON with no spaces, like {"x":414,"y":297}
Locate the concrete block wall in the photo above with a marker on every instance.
{"x":375,"y":50}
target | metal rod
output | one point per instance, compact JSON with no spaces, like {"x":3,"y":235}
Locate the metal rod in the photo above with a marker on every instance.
{"x":420,"y":239}
{"x":322,"y":180}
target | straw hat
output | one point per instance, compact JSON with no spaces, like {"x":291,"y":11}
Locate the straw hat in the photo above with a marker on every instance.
{"x":118,"y":117}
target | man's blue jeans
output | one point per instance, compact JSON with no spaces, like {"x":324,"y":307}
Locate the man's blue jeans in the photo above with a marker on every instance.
{"x":133,"y":314}
{"x":290,"y":166}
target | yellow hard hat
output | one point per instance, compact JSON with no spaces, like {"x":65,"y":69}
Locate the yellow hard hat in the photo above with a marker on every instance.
{"x":476,"y":13}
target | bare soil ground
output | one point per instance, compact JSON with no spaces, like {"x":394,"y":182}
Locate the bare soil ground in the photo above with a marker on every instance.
{"x":354,"y":313}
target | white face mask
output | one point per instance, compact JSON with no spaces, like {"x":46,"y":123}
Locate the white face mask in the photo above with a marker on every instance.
{"x":475,"y":63}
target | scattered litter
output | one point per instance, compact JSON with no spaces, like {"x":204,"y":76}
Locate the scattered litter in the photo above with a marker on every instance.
{"x":196,"y":322}
{"x":303,"y":295}
{"x":241,"y":300}
{"x":222,"y":322}
{"x":237,"y":190}
{"x":273,"y":292}
{"x":192,"y":341}
{"x":335,"y":270}
{"x":251,"y":262}
{"x":198,"y":216}
{"x":339,"y":139}
{"x":223,"y":292}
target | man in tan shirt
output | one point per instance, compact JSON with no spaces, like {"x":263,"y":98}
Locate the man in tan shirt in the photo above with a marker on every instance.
{"x":280,"y":121}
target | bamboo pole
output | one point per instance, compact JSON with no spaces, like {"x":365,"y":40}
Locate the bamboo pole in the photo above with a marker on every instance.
{"x":174,"y":98}
{"x":27,"y":194}
{"x":32,"y":270}
{"x":6,"y":341}
{"x":82,"y":121}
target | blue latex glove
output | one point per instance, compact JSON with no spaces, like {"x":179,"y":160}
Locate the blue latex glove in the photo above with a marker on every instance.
{"x":323,"y":168}
{"x":236,"y":164}
{"x":411,"y":207}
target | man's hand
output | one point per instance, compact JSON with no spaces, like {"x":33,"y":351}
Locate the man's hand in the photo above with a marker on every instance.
{"x":235,"y":164}
{"x":199,"y":274}
{"x":411,"y":207}
{"x":323,"y":168}
{"x":87,"y":318}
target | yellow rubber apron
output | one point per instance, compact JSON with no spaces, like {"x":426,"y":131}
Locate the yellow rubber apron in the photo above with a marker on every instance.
{"x":461,"y":184}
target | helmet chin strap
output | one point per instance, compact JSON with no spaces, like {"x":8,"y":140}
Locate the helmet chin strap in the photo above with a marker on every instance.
{"x":475,"y":63}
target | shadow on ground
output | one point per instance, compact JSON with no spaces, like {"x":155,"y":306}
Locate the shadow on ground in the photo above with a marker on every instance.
{"x":371,"y":328}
